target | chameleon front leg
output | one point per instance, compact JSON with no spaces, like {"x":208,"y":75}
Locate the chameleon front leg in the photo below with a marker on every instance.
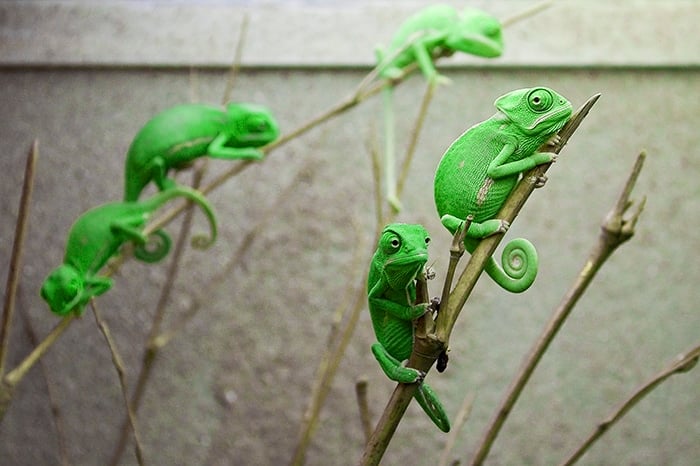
{"x":476,"y":230}
{"x":392,"y":367}
{"x":218,"y":150}
{"x":500,"y":168}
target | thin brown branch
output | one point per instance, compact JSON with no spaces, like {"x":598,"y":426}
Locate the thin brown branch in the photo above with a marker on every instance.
{"x":611,"y":237}
{"x":121,"y":373}
{"x":16,"y":258}
{"x":681,"y":364}
{"x":237,"y":56}
{"x":363,"y":406}
{"x":53,"y":404}
{"x":462,"y":416}
{"x":426,"y":350}
{"x":152,"y":347}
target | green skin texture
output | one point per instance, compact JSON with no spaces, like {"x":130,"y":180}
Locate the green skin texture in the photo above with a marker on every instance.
{"x":437,"y":27}
{"x":174,"y":138}
{"x":480,"y":169}
{"x":400,"y":257}
{"x":96,"y":237}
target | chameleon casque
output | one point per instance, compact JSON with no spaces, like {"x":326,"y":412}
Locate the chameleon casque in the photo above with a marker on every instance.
{"x":437,"y":29}
{"x":174,"y":138}
{"x":480,"y":169}
{"x":401,"y":255}
{"x":97,"y":235}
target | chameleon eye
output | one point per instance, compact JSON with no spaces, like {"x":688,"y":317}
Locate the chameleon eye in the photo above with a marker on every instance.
{"x":395,"y":243}
{"x":540,"y":100}
{"x":427,"y":240}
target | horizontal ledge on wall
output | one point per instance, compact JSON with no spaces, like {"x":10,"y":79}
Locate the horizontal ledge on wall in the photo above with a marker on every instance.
{"x":597,"y":33}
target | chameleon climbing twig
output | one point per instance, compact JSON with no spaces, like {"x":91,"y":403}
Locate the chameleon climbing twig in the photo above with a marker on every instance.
{"x":681,"y":364}
{"x":426,"y":350}
{"x":615,"y":231}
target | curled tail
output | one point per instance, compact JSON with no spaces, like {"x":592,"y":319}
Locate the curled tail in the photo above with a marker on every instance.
{"x":428,"y":400}
{"x":518,"y":266}
{"x":145,"y":253}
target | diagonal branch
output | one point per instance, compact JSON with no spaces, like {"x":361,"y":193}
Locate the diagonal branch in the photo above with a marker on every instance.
{"x":683,"y":363}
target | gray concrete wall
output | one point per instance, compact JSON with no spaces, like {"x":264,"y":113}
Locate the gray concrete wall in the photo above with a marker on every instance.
{"x":82,"y":79}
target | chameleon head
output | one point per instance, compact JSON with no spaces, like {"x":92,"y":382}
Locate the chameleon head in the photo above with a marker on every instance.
{"x":403,"y":251}
{"x":63,"y":289}
{"x":67,"y":290}
{"x":476,"y":33}
{"x":254,"y":126}
{"x":535,"y":111}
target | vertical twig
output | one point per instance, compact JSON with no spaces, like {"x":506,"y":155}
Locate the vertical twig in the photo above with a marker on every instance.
{"x":237,"y":56}
{"x":16,"y":258}
{"x":614,"y":232}
{"x":121,"y":373}
{"x":363,"y":406}
{"x":462,"y":416}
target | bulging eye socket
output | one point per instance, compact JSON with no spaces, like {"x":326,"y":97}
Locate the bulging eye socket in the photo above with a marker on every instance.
{"x":427,"y":240}
{"x":540,"y":100}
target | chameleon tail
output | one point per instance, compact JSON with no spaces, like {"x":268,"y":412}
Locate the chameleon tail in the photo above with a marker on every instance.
{"x":199,"y":241}
{"x":389,"y":149}
{"x":428,"y":400}
{"x":156,"y":247}
{"x":519,"y":266}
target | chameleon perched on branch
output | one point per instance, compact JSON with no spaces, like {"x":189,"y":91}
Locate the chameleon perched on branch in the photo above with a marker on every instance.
{"x":435,"y":30}
{"x":480,"y":169}
{"x":97,"y":235}
{"x":174,"y":138}
{"x":400,"y":257}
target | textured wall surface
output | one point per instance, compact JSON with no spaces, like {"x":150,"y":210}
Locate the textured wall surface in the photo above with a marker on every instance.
{"x":231,"y":389}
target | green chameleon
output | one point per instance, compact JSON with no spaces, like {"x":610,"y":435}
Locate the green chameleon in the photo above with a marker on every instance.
{"x":174,"y":138}
{"x":97,"y":235}
{"x":480,"y":169}
{"x":401,"y":255}
{"x":437,"y":29}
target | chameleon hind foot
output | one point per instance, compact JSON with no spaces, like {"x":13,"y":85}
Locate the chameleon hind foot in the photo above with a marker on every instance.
{"x":393,"y":368}
{"x":476,"y":230}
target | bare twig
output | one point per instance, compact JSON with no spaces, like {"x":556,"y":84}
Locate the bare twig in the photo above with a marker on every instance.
{"x":236,"y":65}
{"x":462,"y":416}
{"x":681,"y":364}
{"x":152,"y":346}
{"x":121,"y":372}
{"x":426,"y":350}
{"x":53,"y":404}
{"x":363,"y":405}
{"x":16,"y":258}
{"x":614,"y":232}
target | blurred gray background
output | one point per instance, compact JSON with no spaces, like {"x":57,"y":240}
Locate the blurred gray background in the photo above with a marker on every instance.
{"x":82,"y":78}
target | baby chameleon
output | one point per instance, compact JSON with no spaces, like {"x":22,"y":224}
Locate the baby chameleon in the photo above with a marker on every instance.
{"x":97,"y":235}
{"x":174,"y":138}
{"x":400,"y":257}
{"x":437,"y":28}
{"x":480,"y":169}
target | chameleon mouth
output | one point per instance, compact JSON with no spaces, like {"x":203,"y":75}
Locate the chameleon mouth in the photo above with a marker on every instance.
{"x":567,"y":110}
